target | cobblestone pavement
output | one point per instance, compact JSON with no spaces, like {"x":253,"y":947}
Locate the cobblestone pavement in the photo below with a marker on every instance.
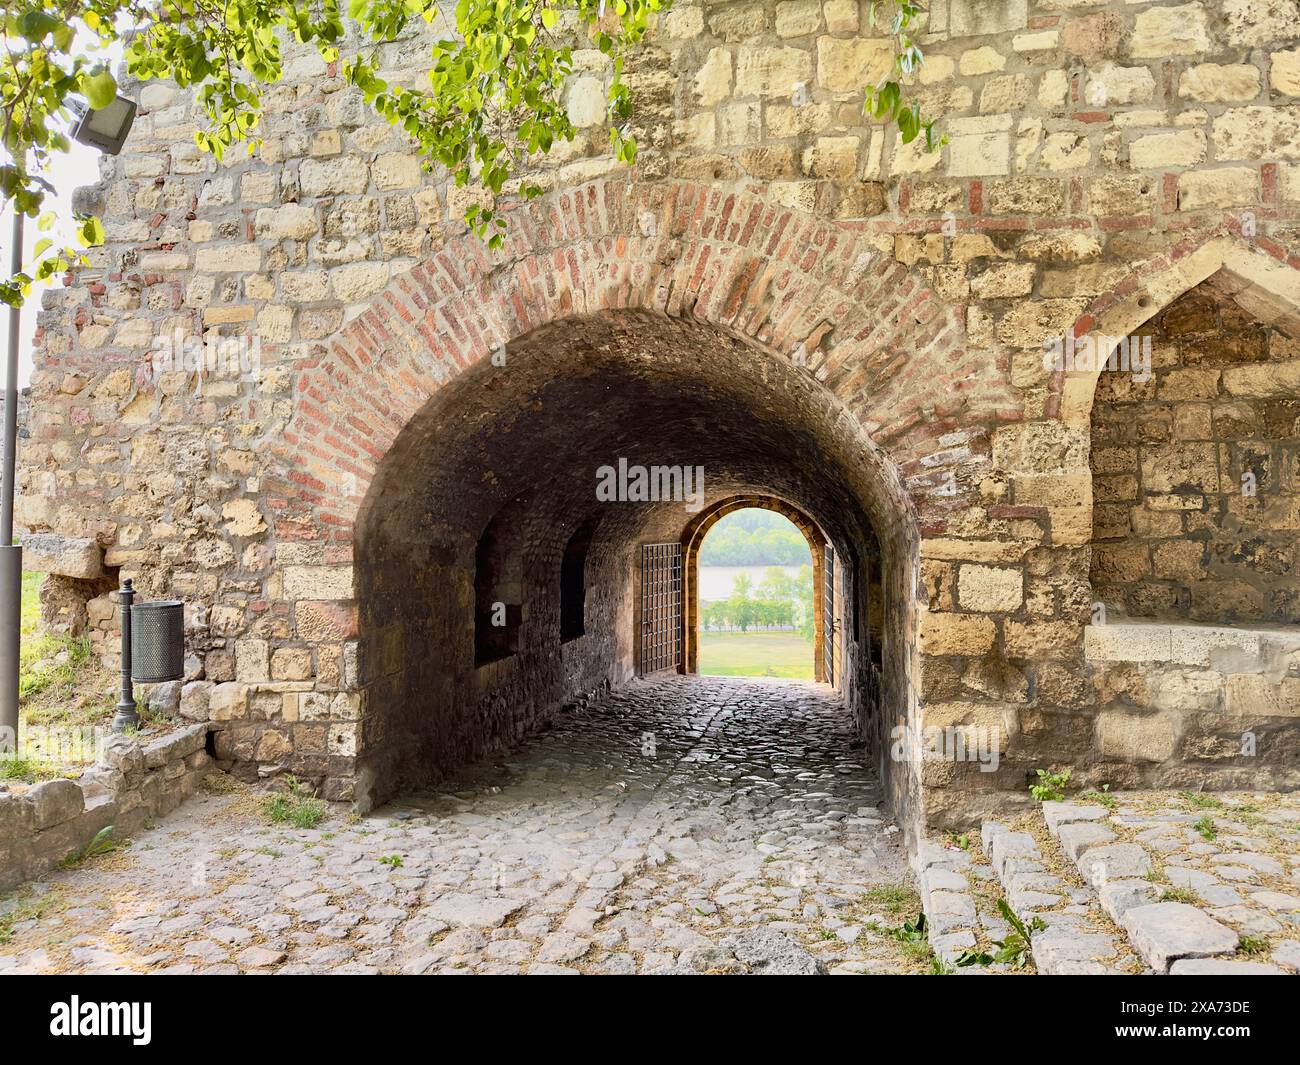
{"x":1199,"y":882}
{"x":675,"y":826}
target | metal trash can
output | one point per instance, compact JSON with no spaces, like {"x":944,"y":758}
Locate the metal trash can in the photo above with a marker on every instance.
{"x":158,"y":641}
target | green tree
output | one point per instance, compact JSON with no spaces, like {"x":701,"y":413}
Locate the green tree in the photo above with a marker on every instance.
{"x":807,"y":602}
{"x":754,"y":537}
{"x":714,"y":615}
{"x":492,"y":99}
{"x":777,"y":585}
{"x":740,"y":607}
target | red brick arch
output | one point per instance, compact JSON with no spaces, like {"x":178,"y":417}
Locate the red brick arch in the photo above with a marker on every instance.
{"x":1266,"y":276}
{"x":813,"y":291}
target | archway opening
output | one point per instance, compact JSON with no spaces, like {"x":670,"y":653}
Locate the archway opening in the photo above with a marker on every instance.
{"x":1194,"y":578}
{"x":503,"y":548}
{"x":756,"y":604}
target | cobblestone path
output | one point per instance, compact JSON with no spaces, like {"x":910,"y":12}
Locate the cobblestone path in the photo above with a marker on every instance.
{"x":675,"y":826}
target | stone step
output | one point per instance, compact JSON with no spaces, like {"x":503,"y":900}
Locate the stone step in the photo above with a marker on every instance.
{"x":1169,"y":936}
{"x":943,"y":875}
{"x":1166,"y":932}
{"x":1072,"y":943}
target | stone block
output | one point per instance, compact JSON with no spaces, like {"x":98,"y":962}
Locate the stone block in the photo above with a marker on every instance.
{"x":1165,"y":31}
{"x":1158,"y":150}
{"x":956,"y":634}
{"x":1164,"y":932}
{"x":990,"y":589}
{"x":124,"y":754}
{"x":164,"y":699}
{"x":976,"y":18}
{"x":1196,"y":645}
{"x":64,"y":556}
{"x":1117,"y":897}
{"x":229,"y":259}
{"x":1252,"y":695}
{"x":55,"y":802}
{"x":291,"y":221}
{"x":1234,"y":186}
{"x":1215,"y":83}
{"x":329,"y":177}
{"x":1113,"y":861}
{"x":1217,"y":967}
{"x":1057,"y":814}
{"x":228,"y":702}
{"x":1079,"y":837}
{"x":1012,"y":845}
{"x":1061,"y":951}
{"x":1133,"y":737}
{"x":194,"y":700}
{"x":1121,"y":642}
{"x":770,"y":71}
{"x":318,"y":582}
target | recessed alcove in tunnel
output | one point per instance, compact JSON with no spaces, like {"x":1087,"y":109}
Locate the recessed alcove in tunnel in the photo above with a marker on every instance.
{"x":498,"y":580}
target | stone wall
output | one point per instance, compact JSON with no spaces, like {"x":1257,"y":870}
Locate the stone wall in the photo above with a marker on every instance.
{"x":1102,"y":160}
{"x":130,"y":784}
{"x":1196,"y":470}
{"x":1186,"y":706}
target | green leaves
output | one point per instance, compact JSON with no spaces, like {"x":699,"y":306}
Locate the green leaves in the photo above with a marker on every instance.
{"x":1050,"y":786}
{"x":1015,"y":950}
{"x":495,"y":100}
{"x":886,"y":100}
{"x":34,"y":26}
{"x":99,"y":88}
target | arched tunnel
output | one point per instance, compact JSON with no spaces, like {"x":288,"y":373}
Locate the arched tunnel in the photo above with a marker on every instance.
{"x":499,"y":581}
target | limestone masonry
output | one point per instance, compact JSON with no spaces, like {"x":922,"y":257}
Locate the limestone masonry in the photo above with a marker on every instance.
{"x":1099,"y":566}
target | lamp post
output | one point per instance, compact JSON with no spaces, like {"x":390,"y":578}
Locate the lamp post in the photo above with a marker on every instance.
{"x":11,"y":555}
{"x":105,"y":129}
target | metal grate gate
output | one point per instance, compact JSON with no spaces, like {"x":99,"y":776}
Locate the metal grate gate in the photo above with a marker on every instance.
{"x":661,"y":607}
{"x":828,"y":616}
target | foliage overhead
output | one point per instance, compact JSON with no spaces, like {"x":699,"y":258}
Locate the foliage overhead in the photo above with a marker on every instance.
{"x":492,"y":97}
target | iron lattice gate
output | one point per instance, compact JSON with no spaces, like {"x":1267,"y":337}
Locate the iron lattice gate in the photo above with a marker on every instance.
{"x":661,"y":607}
{"x":828,"y":616}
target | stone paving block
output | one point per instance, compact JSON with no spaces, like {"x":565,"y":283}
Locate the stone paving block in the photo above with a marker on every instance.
{"x":1277,"y":901}
{"x":1062,"y":951}
{"x":931,"y":853}
{"x":1259,"y":862}
{"x":1163,"y":932}
{"x":1031,"y":880}
{"x":1012,"y":845}
{"x":1220,"y":895}
{"x":1287,"y":952}
{"x":1117,"y":897}
{"x":988,"y":831}
{"x":1057,"y":814}
{"x":946,"y":880}
{"x":953,"y":904}
{"x":950,"y":944}
{"x":1077,"y":838}
{"x":1190,"y":878}
{"x":1022,"y":902}
{"x":1215,"y":967}
{"x":1248,"y":919}
{"x":1112,"y":862}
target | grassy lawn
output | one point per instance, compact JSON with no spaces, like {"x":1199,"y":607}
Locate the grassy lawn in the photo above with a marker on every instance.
{"x":60,"y":685}
{"x":756,"y":654}
{"x":31,"y":614}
